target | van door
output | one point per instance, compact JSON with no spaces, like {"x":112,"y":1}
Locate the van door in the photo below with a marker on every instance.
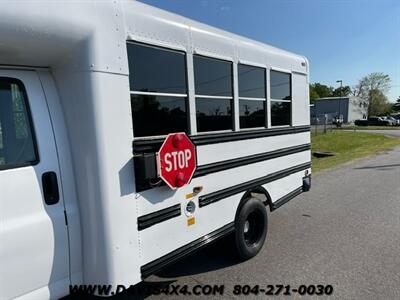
{"x":34,"y":255}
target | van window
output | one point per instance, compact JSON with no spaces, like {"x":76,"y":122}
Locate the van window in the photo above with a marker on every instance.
{"x":281,"y":98}
{"x":252,"y":96}
{"x":214,"y":94}
{"x":17,"y":146}
{"x":158,"y":85}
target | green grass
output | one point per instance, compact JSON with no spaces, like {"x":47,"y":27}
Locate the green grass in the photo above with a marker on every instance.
{"x":352,"y":127}
{"x":348,"y":146}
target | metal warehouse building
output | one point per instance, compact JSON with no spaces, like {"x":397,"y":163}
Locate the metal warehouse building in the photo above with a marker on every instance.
{"x":350,"y":108}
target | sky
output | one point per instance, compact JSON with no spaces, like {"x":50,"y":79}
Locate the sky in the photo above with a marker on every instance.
{"x":342,"y":39}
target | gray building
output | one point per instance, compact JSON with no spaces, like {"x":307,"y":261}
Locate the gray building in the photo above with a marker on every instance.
{"x":350,"y":108}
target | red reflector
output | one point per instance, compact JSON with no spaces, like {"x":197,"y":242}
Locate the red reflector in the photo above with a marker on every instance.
{"x":177,"y":140}
{"x":180,"y":179}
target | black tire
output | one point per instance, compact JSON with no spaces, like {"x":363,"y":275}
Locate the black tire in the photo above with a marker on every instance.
{"x":251,"y":226}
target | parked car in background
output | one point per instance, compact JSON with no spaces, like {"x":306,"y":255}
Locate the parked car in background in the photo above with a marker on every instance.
{"x":373,"y":121}
{"x":361,"y":122}
{"x":396,"y":122}
{"x":378,"y":121}
{"x":397,"y":117}
{"x":392,"y":121}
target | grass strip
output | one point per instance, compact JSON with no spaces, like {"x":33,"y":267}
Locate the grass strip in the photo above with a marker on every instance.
{"x":348,"y":146}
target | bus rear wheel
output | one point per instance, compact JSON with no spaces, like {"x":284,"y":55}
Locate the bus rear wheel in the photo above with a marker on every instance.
{"x":251,"y":225}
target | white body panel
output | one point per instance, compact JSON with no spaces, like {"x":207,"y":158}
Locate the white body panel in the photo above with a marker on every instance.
{"x":218,"y":152}
{"x":86,"y":86}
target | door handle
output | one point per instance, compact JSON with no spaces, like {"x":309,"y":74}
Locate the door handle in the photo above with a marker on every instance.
{"x":50,"y":188}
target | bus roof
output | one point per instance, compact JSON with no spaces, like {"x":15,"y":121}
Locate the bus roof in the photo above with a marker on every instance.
{"x":91,"y":35}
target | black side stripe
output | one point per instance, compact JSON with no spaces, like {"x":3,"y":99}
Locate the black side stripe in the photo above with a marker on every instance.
{"x":158,"y":264}
{"x":153,"y":145}
{"x":246,"y":160}
{"x":159,"y":216}
{"x":215,"y":138}
{"x":236,"y":189}
{"x":286,"y":198}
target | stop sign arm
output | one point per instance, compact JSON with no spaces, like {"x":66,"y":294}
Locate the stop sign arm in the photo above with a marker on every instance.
{"x":176,"y":160}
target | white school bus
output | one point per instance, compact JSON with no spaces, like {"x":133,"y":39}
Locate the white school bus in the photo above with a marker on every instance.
{"x":131,"y":137}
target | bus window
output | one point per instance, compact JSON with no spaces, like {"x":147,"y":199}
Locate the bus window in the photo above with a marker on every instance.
{"x":281,"y":98}
{"x":158,"y":85}
{"x":214,"y":95}
{"x":252,"y":96}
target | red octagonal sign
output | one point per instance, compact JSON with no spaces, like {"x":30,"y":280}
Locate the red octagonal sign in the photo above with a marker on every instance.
{"x":176,"y":160}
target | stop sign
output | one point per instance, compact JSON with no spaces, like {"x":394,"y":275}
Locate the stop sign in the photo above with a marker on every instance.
{"x":176,"y":160}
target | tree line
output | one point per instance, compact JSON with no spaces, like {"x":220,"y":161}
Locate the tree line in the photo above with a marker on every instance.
{"x":370,"y":91}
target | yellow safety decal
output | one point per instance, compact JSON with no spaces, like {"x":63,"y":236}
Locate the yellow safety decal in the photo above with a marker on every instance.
{"x":191,"y":221}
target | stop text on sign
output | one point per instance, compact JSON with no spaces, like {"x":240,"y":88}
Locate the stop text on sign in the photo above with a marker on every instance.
{"x":177,"y":160}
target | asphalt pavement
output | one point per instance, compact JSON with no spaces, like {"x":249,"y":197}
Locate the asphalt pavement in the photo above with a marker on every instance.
{"x":345,"y":232}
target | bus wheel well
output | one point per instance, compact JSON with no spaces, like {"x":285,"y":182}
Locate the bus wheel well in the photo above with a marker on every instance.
{"x":257,"y":192}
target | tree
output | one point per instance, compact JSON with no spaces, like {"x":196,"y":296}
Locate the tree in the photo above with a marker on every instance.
{"x":396,"y":105}
{"x":374,"y":81}
{"x":313,"y":94}
{"x":322,"y":90}
{"x":346,"y":91}
{"x":371,"y":91}
{"x":378,"y":104}
{"x":318,"y":90}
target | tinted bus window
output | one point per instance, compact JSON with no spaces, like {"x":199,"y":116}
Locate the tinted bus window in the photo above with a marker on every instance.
{"x":251,"y":113}
{"x":281,"y":98}
{"x":251,"y":82}
{"x":213,"y":114}
{"x":155,"y":69}
{"x":280,"y":86}
{"x":156,"y":115}
{"x":214,"y":94}
{"x":212,"y":77}
{"x":280,"y":113}
{"x":252,"y":96}
{"x":158,"y":84}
